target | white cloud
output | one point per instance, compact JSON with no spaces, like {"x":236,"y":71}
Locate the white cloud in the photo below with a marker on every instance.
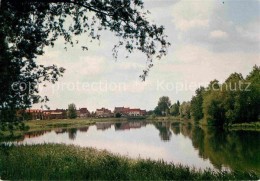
{"x":250,"y":30}
{"x":218,"y":34}
{"x":189,"y":14}
{"x":199,"y":53}
{"x":90,"y":65}
{"x":197,"y":64}
{"x":128,"y":65}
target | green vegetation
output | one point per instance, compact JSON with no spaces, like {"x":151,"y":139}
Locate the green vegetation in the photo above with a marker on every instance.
{"x":175,"y":109}
{"x":61,"y":162}
{"x":44,"y":125}
{"x":118,"y":115}
{"x":235,"y":101}
{"x":185,"y":110}
{"x":196,"y":105}
{"x":154,"y":118}
{"x":135,"y":118}
{"x":254,"y":126}
{"x":163,"y":107}
{"x":237,"y":150}
{"x":72,"y":111}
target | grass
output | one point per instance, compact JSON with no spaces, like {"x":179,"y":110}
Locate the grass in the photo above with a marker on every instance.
{"x":254,"y":126}
{"x":162,"y":118}
{"x":61,"y":162}
{"x":45,"y":125}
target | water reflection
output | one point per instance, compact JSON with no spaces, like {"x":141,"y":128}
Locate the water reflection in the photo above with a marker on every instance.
{"x":238,"y":150}
{"x":121,"y":126}
{"x":103,"y":126}
{"x":129,"y":125}
{"x":164,"y":129}
{"x":175,"y":127}
{"x":35,"y":134}
{"x":187,"y":144}
{"x":72,"y":133}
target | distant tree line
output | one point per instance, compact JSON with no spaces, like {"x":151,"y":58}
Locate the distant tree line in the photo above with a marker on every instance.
{"x":236,"y":100}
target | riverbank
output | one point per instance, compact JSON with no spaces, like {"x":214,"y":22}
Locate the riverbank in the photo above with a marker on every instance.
{"x":61,"y":162}
{"x":254,"y":126}
{"x":45,"y":125}
{"x":162,"y":118}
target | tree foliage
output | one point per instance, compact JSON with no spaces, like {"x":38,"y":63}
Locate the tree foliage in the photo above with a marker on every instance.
{"x":174,"y":110}
{"x":163,"y":106}
{"x":27,"y":26}
{"x":236,"y":100}
{"x":196,"y":104}
{"x":118,"y":115}
{"x":72,"y":111}
{"x":185,"y":110}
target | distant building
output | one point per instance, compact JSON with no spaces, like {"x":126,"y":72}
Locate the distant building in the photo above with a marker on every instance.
{"x":83,"y":113}
{"x":143,"y":112}
{"x":55,"y":114}
{"x":134,"y":112}
{"x":103,"y":112}
{"x":126,"y":111}
{"x":35,"y":114}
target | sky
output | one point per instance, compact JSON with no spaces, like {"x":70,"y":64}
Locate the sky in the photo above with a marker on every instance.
{"x":210,"y":40}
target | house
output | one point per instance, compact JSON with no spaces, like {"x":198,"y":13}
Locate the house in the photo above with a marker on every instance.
{"x":83,"y":113}
{"x":134,"y":112}
{"x":143,"y":112}
{"x":55,"y":114}
{"x":124,"y":111}
{"x":35,"y":114}
{"x":103,"y":112}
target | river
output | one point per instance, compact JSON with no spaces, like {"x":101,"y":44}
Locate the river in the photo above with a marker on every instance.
{"x":199,"y":147}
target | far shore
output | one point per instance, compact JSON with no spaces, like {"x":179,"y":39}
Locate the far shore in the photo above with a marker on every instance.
{"x":45,"y":125}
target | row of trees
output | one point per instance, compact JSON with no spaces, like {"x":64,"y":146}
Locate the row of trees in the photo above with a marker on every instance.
{"x":72,"y":111}
{"x":165,"y":107}
{"x":236,"y":100}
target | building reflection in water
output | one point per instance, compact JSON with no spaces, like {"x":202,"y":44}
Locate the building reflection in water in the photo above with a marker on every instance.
{"x":103,"y":126}
{"x":129,"y":125}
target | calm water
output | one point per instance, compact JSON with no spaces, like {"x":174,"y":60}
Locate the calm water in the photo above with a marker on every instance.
{"x":188,"y":145}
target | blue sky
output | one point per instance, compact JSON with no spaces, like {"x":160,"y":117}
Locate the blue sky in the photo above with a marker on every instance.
{"x":210,"y":40}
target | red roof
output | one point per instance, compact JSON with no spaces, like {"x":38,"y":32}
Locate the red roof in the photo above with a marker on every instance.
{"x":134,"y":110}
{"x":104,"y":110}
{"x":107,"y":111}
{"x":83,"y":110}
{"x":33,"y":110}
